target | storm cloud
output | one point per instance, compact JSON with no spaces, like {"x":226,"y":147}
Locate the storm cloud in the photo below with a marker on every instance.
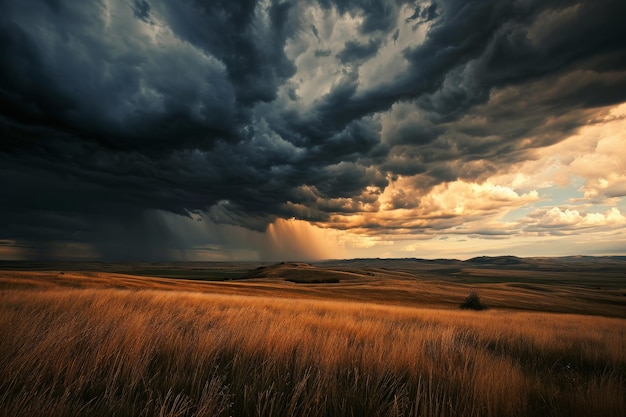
{"x":240,"y":113}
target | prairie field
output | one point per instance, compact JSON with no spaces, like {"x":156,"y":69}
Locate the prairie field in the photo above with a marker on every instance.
{"x":104,"y":344}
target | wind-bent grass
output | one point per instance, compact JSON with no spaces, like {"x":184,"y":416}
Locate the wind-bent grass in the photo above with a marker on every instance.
{"x":103,"y":352}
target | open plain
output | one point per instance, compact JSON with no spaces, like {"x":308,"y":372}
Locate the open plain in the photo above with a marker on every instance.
{"x":365,"y":337}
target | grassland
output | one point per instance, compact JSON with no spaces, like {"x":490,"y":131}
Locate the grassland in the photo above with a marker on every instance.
{"x":380,"y":341}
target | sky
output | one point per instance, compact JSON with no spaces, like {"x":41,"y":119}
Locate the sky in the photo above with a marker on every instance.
{"x":216,"y":130}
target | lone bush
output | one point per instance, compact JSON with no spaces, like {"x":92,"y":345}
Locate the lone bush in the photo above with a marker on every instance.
{"x":472,"y":302}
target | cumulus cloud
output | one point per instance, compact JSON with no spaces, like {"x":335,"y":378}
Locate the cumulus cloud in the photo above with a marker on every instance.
{"x":558,"y":220}
{"x":443,"y":209}
{"x":368,"y":116}
{"x":593,"y":158}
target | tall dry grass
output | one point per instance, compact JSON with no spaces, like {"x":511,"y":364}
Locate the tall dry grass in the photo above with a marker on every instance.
{"x":102,"y":352}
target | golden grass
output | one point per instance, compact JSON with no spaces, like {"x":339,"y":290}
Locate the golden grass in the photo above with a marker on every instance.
{"x":111,"y":352}
{"x":527,"y":293}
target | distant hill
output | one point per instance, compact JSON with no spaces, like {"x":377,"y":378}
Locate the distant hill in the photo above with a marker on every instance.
{"x":300,"y":273}
{"x":496,"y":260}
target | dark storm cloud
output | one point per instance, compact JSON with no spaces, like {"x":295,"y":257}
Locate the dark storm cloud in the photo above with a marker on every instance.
{"x":63,"y":68}
{"x":378,"y":15}
{"x":141,"y":10}
{"x":474,"y":48}
{"x":518,"y":44}
{"x":358,"y":140}
{"x":482,"y":45}
{"x":315,"y":32}
{"x":423,"y":14}
{"x":320,"y":53}
{"x":112,"y":112}
{"x":254,"y":56}
{"x":355,"y":51}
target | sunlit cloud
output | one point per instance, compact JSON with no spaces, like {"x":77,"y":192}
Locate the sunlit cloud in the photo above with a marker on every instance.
{"x":403,"y":210}
{"x":563,"y":221}
{"x":596,"y":154}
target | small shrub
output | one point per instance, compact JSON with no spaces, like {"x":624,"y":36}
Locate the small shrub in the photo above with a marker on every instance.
{"x":472,"y":302}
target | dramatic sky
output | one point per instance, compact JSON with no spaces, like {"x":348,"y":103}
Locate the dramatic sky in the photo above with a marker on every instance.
{"x":282,"y":130}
